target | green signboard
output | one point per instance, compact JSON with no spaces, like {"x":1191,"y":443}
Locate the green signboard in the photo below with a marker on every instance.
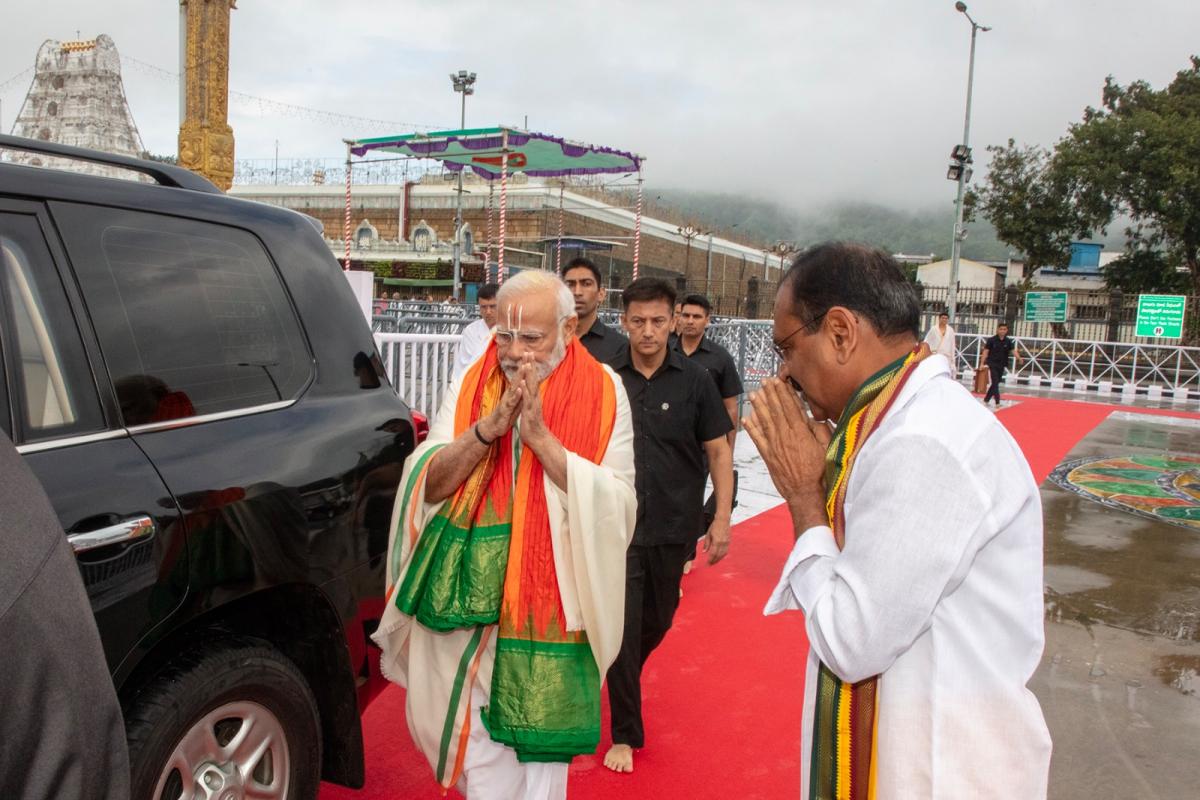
{"x":1160,"y":316}
{"x":1045,"y":306}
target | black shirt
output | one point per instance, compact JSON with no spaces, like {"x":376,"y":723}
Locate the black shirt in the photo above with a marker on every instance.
{"x":674,"y":413}
{"x":603,"y":342}
{"x":999,"y":350}
{"x":719,"y":363}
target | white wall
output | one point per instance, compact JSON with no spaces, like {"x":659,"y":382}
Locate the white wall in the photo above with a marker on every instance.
{"x":971,"y":274}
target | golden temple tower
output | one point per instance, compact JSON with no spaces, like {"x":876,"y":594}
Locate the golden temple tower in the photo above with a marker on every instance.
{"x":205,"y":138}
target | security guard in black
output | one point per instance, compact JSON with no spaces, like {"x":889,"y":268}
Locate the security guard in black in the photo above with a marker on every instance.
{"x":674,"y":412}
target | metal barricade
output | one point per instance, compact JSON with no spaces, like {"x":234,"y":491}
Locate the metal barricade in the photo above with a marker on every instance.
{"x":420,"y":367}
{"x":431,"y":324}
{"x":750,"y":344}
{"x":419,"y":362}
{"x":1082,"y":366}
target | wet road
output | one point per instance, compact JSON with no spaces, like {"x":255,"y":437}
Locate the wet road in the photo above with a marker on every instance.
{"x":1119,"y":678}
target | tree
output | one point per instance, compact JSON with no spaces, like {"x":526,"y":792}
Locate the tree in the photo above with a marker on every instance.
{"x":1139,"y":156}
{"x":1136,"y":157}
{"x":1026,"y":199}
{"x":1144,"y":270}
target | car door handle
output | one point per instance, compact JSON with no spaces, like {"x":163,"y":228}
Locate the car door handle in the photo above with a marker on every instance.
{"x":128,"y":530}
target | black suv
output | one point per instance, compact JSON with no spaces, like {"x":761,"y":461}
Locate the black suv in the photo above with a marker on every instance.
{"x":196,"y":387}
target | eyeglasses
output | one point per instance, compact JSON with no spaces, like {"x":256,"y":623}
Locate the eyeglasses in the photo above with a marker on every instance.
{"x":528,"y":338}
{"x":782,"y":352}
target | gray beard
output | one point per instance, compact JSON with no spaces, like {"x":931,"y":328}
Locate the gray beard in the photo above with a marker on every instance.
{"x":512,"y":366}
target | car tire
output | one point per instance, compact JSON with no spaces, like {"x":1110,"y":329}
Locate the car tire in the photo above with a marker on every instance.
{"x":229,"y":713}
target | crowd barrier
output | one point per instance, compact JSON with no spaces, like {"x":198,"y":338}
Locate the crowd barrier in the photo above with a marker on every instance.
{"x":418,"y":354}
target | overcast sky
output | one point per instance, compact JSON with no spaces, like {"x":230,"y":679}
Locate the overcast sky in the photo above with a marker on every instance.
{"x":802,"y":101}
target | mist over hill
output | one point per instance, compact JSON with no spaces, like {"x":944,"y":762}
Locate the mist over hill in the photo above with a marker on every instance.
{"x":916,"y":231}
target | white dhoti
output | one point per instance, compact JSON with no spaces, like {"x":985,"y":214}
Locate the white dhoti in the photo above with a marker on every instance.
{"x":449,"y":675}
{"x":491,"y":770}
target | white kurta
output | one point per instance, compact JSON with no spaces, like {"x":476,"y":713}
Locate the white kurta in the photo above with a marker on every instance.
{"x":590,"y":526}
{"x":942,"y":345}
{"x":939,"y":591}
{"x":474,"y":341}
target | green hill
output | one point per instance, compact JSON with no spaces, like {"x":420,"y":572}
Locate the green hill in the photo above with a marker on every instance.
{"x":916,"y":231}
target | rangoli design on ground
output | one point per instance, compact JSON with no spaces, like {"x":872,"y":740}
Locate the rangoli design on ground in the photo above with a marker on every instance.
{"x":1164,"y":487}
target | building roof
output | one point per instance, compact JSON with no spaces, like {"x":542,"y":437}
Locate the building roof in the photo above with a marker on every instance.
{"x":533,"y":195}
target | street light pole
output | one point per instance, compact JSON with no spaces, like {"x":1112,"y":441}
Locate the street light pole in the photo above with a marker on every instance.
{"x":464,"y":83}
{"x":784,"y":250}
{"x":688,"y":233}
{"x":963,"y":171}
{"x":708,"y":269}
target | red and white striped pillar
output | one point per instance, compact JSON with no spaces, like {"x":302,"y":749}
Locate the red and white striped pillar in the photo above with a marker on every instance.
{"x":558,"y":255}
{"x":503,"y":203}
{"x":346,"y":224}
{"x":637,"y":228}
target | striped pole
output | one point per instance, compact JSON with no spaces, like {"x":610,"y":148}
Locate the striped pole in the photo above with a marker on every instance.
{"x":346,"y":225}
{"x":487,"y":261}
{"x":637,"y":228}
{"x":503,"y":203}
{"x":558,"y":256}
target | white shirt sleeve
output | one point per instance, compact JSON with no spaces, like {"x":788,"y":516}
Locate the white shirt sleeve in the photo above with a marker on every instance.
{"x":474,"y":341}
{"x":911,"y":534}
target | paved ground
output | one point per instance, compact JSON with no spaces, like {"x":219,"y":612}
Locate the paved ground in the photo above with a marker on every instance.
{"x":1116,"y":398}
{"x":1118,"y":680}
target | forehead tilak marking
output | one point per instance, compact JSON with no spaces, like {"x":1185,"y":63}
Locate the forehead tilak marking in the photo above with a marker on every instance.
{"x":520,"y":318}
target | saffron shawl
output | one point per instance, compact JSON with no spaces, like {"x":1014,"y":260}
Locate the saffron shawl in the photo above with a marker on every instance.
{"x":844,"y":719}
{"x":480,"y":574}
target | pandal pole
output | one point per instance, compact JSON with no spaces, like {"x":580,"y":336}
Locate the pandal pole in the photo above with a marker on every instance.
{"x":346,"y":224}
{"x":637,"y":227}
{"x":491,"y":215}
{"x":558,"y":255}
{"x":503,"y":202}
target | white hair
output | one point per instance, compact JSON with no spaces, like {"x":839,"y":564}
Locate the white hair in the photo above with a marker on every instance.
{"x":535,"y":281}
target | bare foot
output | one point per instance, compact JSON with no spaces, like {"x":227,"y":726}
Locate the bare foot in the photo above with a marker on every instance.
{"x":619,"y":758}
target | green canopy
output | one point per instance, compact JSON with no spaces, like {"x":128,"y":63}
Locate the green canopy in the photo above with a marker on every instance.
{"x":536,"y":154}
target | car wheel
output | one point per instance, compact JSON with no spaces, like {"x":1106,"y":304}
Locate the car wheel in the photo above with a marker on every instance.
{"x":222,"y":723}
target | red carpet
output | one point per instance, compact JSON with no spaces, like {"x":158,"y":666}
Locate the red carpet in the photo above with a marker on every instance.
{"x":723,"y":695}
{"x":1048,"y":429}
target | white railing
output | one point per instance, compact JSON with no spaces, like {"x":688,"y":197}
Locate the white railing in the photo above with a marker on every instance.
{"x":419,"y":366}
{"x":1167,"y":370}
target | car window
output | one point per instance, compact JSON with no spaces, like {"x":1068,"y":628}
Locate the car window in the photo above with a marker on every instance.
{"x":54,"y":394}
{"x":192,"y":317}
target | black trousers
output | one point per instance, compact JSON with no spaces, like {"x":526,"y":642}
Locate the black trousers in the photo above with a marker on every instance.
{"x":994,"y":388}
{"x":652,"y":577}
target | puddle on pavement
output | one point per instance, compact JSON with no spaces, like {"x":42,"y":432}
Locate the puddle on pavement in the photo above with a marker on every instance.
{"x":1063,"y":579}
{"x":1121,"y":668}
{"x":1107,"y":564}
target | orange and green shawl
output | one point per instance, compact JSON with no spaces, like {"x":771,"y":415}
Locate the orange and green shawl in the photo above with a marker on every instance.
{"x":844,"y":720}
{"x":486,"y":558}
